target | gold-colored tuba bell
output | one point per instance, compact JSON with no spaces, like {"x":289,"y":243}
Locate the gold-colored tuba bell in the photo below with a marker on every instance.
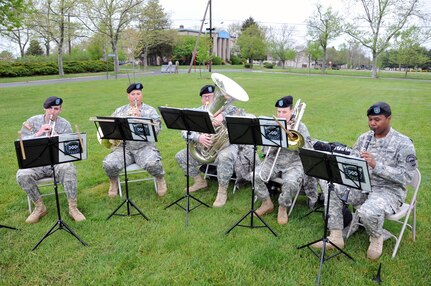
{"x":226,"y":91}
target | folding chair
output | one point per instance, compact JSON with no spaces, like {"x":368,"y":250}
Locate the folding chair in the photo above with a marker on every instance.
{"x":402,"y":216}
{"x":134,"y":169}
{"x":211,"y":171}
{"x":44,"y":182}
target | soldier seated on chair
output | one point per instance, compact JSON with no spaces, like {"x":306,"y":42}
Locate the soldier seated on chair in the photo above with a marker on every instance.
{"x":226,"y":156}
{"x":144,"y":154}
{"x":48,"y":124}
{"x":288,"y":164}
{"x":391,"y":159}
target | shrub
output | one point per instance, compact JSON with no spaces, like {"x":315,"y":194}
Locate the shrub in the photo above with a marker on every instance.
{"x":247,"y":65}
{"x":268,"y":65}
{"x":217,"y":60}
{"x":235,"y":60}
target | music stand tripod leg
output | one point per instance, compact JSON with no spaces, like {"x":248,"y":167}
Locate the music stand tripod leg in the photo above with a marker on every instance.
{"x":127,"y":200}
{"x":59,"y":223}
{"x":9,"y":227}
{"x":252,"y":211}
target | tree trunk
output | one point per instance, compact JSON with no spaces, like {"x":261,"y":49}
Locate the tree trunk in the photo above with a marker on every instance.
{"x":324,"y":60}
{"x":374,"y":70}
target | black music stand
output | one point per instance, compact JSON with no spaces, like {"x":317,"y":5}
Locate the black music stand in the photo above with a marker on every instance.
{"x":130,"y":129}
{"x":51,"y":151}
{"x":9,"y":227}
{"x":343,"y":170}
{"x":188,"y":120}
{"x":254,"y":131}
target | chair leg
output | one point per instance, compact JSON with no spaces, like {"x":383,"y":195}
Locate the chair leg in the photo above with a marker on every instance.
{"x":294,"y":202}
{"x":119,"y":187}
{"x":414,"y":224}
{"x":29,"y":204}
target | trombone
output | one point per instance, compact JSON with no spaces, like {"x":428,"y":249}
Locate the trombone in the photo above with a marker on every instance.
{"x":294,"y":139}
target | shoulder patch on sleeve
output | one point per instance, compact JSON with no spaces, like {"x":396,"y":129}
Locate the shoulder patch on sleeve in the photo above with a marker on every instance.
{"x":27,"y":125}
{"x":411,"y":159}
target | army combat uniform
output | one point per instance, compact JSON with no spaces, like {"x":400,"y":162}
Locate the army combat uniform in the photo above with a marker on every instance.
{"x":145,"y":154}
{"x":226,"y":157}
{"x":292,"y":173}
{"x":395,"y":165}
{"x":64,"y":173}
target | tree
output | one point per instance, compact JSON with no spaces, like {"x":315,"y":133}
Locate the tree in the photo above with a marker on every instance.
{"x":384,"y":19}
{"x":281,"y":45}
{"x":11,"y":14}
{"x":252,"y":43}
{"x":247,"y":23}
{"x":156,"y":37}
{"x":6,"y":56}
{"x":34,"y":49}
{"x":315,"y":52}
{"x":410,"y":54}
{"x":324,"y":26}
{"x":110,"y":18}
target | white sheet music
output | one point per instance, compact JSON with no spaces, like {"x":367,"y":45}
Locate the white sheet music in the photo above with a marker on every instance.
{"x":272,"y":133}
{"x":349,"y":167}
{"x":69,"y":147}
{"x":141,"y":131}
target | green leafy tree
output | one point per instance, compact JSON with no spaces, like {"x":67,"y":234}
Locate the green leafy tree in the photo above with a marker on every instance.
{"x":11,"y":14}
{"x":156,"y":37}
{"x":252,"y":44}
{"x":382,"y":19}
{"x":315,"y":53}
{"x":6,"y":56}
{"x":34,"y":49}
{"x":322,"y":27}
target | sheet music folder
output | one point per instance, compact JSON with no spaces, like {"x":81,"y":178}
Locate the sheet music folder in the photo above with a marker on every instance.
{"x":187,"y":119}
{"x":343,"y":169}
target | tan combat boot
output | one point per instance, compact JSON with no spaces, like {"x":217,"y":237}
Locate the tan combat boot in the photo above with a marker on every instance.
{"x":113,"y":188}
{"x":376,"y":247}
{"x":38,"y":212}
{"x":282,"y":217}
{"x":161,"y":186}
{"x":74,"y":212}
{"x":266,"y":207}
{"x":335,"y":236}
{"x":200,"y":183}
{"x":221,"y":197}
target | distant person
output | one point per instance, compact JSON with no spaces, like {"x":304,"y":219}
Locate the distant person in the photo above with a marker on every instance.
{"x":44,"y":125}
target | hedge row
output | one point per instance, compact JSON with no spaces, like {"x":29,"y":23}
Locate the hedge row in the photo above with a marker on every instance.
{"x":17,"y":69}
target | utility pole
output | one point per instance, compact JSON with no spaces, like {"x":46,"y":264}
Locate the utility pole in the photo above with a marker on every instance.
{"x":211,"y":37}
{"x":198,"y":37}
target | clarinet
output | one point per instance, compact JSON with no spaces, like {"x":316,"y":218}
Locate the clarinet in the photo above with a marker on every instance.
{"x":368,"y":141}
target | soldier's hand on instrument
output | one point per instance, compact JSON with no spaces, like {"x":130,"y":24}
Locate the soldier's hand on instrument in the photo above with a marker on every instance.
{"x":45,"y":128}
{"x":218,"y":120}
{"x":205,"y":139}
{"x":369,"y":158}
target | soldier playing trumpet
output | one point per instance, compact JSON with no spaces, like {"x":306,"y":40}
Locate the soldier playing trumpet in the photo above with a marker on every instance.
{"x":288,"y":164}
{"x":145,"y":154}
{"x":48,"y":124}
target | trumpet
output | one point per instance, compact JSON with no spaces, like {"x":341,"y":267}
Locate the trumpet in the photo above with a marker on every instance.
{"x":294,"y":139}
{"x":52,"y":126}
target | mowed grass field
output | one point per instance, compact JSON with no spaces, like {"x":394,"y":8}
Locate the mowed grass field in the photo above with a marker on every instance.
{"x":163,"y":251}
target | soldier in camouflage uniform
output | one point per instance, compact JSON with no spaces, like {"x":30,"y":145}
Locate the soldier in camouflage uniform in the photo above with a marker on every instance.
{"x":145,"y":154}
{"x":48,"y":124}
{"x":391,"y":158}
{"x":226,"y":157}
{"x":288,"y":165}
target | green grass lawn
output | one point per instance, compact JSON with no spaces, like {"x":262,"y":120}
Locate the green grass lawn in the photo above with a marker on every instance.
{"x":163,"y":251}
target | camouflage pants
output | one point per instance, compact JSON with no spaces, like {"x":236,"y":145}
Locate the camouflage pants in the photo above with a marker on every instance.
{"x":225,"y":164}
{"x":64,"y":173}
{"x":291,"y":174}
{"x":372,"y":208}
{"x":147,"y":158}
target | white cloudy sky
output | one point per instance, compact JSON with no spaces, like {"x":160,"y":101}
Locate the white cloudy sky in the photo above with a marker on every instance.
{"x":268,"y":12}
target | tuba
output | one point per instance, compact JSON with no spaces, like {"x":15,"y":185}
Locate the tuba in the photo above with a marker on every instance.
{"x":226,"y":92}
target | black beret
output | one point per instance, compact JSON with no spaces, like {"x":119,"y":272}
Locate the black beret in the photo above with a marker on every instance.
{"x":284,"y":101}
{"x":52,"y":101}
{"x":135,"y":86}
{"x":207,"y":89}
{"x":379,"y":108}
